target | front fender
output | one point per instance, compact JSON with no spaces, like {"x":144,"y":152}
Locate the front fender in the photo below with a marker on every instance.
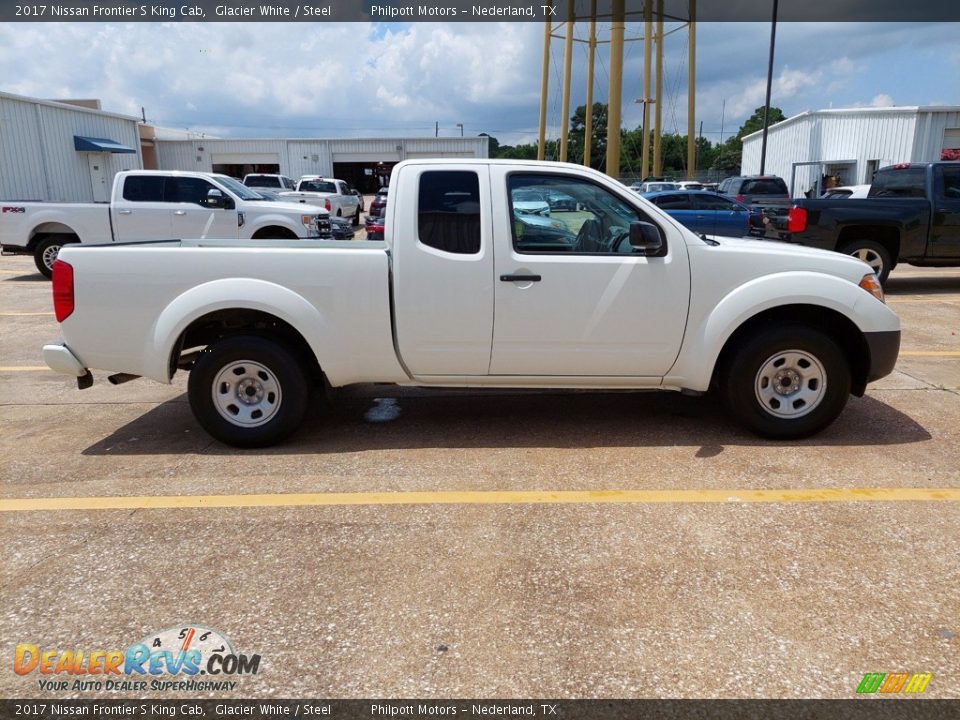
{"x":201,"y":300}
{"x":709,"y":328}
{"x":275,"y":220}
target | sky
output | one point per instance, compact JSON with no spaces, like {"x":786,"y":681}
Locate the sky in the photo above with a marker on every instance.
{"x":398,"y":80}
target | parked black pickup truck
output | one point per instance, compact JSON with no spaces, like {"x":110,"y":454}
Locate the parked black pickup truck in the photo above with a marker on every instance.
{"x":911,"y":215}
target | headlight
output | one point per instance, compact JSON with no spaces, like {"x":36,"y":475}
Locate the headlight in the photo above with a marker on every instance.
{"x":871,"y":284}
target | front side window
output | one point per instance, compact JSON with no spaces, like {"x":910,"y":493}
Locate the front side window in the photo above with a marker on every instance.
{"x":448,"y":211}
{"x":594,"y":221}
{"x":187,"y":190}
{"x":950,"y":182}
{"x":143,"y":188}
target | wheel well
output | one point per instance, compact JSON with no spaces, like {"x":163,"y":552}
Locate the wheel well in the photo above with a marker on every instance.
{"x":42,"y":231}
{"x":841,"y":330}
{"x":887,"y":236}
{"x":217,"y":325}
{"x":274,"y":232}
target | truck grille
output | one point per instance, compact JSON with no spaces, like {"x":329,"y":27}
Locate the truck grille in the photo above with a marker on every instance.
{"x":323,"y":227}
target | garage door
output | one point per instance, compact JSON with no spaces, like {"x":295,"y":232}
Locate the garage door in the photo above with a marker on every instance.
{"x":244,"y":159}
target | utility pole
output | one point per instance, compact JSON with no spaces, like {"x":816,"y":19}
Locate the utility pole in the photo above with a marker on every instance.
{"x":658,"y":99}
{"x":436,"y":129}
{"x":647,"y":56}
{"x":766,"y":107}
{"x":691,"y":87}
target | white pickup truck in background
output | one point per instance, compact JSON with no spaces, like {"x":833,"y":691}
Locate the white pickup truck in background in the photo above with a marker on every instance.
{"x":335,"y":196}
{"x":155,"y":205}
{"x":622,"y":296}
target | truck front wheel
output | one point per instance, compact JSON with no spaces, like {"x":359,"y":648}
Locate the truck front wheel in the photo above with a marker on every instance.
{"x":787,"y":382}
{"x":248,"y":391}
{"x":873,"y":254}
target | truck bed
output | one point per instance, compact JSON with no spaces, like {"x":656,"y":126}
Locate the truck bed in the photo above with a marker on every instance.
{"x":339,"y":288}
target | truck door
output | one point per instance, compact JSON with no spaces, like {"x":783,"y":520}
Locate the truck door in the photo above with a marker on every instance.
{"x":140,"y":212}
{"x":191,"y":217}
{"x":572,"y":298}
{"x":945,"y":222}
{"x":442,"y":269}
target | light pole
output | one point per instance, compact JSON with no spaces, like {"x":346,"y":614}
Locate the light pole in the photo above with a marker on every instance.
{"x":460,"y":125}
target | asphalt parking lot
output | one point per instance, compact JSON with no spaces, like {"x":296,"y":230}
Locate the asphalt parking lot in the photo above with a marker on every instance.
{"x":467,"y":544}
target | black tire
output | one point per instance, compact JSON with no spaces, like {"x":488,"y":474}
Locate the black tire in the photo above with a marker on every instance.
{"x":45,"y":253}
{"x":872,"y":253}
{"x":279,"y":374}
{"x":356,"y":218}
{"x":757,"y":403}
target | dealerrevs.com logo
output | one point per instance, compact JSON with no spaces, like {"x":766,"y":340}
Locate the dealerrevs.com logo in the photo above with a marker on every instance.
{"x":173,"y":659}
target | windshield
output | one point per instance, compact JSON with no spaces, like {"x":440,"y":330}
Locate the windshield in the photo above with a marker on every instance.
{"x":238,"y":188}
{"x":269,"y":181}
{"x":527,"y":196}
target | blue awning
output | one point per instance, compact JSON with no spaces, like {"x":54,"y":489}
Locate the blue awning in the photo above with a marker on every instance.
{"x":89,"y":144}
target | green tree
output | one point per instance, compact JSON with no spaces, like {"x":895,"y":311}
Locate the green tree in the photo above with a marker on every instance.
{"x":493,"y":145}
{"x":598,"y":133}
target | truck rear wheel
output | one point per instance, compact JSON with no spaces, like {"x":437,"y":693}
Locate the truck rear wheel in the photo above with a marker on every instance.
{"x":356,"y":217}
{"x":873,"y":254}
{"x":46,"y":251}
{"x":787,"y":382}
{"x":248,"y":391}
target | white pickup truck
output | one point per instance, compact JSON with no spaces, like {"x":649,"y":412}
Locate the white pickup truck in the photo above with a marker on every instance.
{"x":154,"y":205}
{"x":463,"y":293}
{"x":335,"y":196}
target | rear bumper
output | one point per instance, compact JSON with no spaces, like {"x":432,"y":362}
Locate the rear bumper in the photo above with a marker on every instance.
{"x":884,"y":348}
{"x":60,"y":359}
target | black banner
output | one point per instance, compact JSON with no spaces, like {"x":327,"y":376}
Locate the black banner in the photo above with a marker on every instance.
{"x":480,"y":11}
{"x":855,"y":709}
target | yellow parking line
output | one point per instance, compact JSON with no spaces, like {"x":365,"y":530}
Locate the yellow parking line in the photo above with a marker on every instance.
{"x":492,"y":497}
{"x":921,"y":301}
{"x":22,"y":368}
{"x":24,"y":314}
{"x":930,"y":353}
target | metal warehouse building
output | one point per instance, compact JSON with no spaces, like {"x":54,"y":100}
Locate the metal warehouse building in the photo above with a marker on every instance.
{"x":852,"y":144}
{"x":62,"y":152}
{"x":365,"y":163}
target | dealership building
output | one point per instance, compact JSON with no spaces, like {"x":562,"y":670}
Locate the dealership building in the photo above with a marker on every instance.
{"x":70,"y":150}
{"x":852,"y":144}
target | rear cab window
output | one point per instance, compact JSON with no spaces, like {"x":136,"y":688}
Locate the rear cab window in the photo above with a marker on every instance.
{"x":448,"y":211}
{"x":902,"y":182}
{"x":143,"y":188}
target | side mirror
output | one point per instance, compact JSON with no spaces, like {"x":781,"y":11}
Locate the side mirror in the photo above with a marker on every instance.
{"x":215,"y":198}
{"x":645,"y":238}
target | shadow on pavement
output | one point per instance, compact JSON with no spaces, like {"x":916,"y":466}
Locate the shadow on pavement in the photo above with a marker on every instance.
{"x":361,"y":421}
{"x":926,"y":285}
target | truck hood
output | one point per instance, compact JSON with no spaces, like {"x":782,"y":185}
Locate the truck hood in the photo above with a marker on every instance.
{"x":763,"y":257}
{"x":290,"y":207}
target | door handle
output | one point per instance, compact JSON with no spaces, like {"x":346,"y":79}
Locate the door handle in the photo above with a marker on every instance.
{"x":179,"y":212}
{"x":520,"y":278}
{"x":124,"y":212}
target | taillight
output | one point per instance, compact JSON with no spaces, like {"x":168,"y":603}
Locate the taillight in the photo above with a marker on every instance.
{"x":62,"y":289}
{"x":326,"y":204}
{"x":739,"y":198}
{"x":797,"y":219}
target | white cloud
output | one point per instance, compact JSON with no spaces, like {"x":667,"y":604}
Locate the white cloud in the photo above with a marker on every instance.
{"x":302,"y":79}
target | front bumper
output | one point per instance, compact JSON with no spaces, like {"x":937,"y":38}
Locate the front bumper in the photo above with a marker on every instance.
{"x":884,"y":348}
{"x":61,"y":359}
